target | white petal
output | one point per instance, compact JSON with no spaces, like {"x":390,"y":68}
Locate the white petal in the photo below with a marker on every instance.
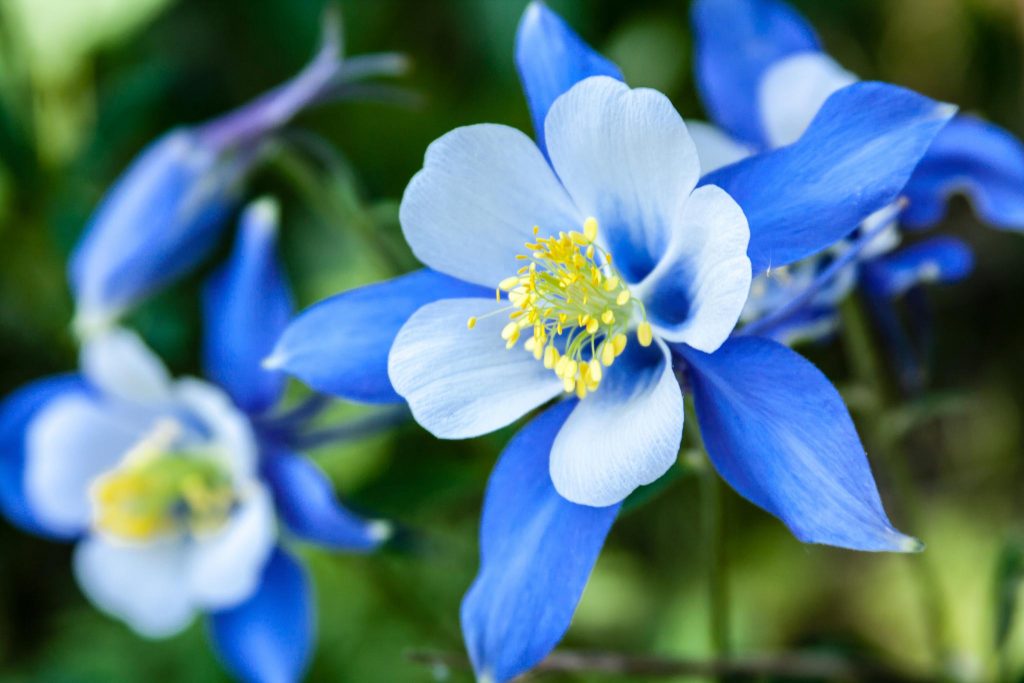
{"x":146,"y":586}
{"x":225,"y":568}
{"x":714,"y":146}
{"x":72,"y":441}
{"x":120,"y":364}
{"x":473,"y":206}
{"x":624,"y":435}
{"x":626,"y":158}
{"x":462,"y":383}
{"x":226,"y":430}
{"x":696,"y":294}
{"x":793,"y":90}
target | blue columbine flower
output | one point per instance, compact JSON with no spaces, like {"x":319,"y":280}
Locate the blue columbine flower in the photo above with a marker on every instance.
{"x":594,"y":270}
{"x":763,"y":80}
{"x":172,"y":489}
{"x":167,"y":211}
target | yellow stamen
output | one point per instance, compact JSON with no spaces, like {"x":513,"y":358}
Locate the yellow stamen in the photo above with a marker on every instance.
{"x":644,"y":333}
{"x":576,"y":305}
{"x":471,"y":323}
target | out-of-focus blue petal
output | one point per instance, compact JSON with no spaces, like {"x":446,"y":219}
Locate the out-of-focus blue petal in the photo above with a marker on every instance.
{"x":855,"y":159}
{"x":737,"y":41}
{"x":307,"y":505}
{"x":16,"y":413}
{"x":165,"y":213}
{"x":340,"y":346}
{"x":778,"y":432}
{"x":160,"y":219}
{"x":810,"y":324}
{"x":974,"y":157}
{"x":246,"y":306}
{"x":269,"y":637}
{"x":941,"y":259}
{"x":536,"y":553}
{"x":551,"y":58}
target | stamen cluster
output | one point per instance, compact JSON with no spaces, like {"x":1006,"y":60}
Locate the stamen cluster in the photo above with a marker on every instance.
{"x":575,"y":305}
{"x":157,"y":491}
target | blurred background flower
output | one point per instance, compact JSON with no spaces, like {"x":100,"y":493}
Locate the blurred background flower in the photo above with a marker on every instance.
{"x":122,"y":72}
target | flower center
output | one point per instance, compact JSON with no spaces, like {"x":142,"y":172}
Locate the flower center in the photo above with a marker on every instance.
{"x":576,"y":307}
{"x":158,"y":491}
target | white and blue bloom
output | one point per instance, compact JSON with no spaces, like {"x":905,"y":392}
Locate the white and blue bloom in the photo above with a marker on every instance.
{"x":763,"y":80}
{"x":173,"y":489}
{"x":618,"y":268}
{"x":169,"y":208}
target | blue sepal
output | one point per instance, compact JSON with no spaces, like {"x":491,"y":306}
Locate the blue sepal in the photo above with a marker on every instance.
{"x":340,"y":346}
{"x":855,"y":158}
{"x":737,"y":41}
{"x":974,"y":157}
{"x":777,"y":431}
{"x":161,"y":218}
{"x":941,"y":259}
{"x":268,"y":638}
{"x":536,"y":553}
{"x":16,"y":414}
{"x":307,"y":505}
{"x":551,"y":58}
{"x":246,"y":306}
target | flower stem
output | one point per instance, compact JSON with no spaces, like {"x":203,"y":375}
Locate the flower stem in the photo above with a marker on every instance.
{"x":716,"y":560}
{"x":868,"y":369}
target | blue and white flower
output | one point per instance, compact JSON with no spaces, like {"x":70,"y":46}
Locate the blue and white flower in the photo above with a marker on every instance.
{"x":173,"y":489}
{"x":763,"y":81}
{"x":169,"y":208}
{"x":594,"y":270}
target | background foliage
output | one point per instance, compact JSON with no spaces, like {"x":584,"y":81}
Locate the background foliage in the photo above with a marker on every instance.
{"x":84,"y":84}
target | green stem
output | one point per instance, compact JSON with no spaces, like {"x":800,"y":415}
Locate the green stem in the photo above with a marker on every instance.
{"x":713,"y":531}
{"x":869,"y":372}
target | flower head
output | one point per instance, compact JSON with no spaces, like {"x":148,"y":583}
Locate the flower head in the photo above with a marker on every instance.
{"x":168,"y":209}
{"x":173,"y":489}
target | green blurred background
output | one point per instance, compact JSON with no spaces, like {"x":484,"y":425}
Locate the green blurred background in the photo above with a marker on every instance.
{"x":84,"y":84}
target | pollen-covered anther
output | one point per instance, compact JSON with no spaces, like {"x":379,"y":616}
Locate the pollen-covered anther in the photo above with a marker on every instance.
{"x":156,"y":492}
{"x":576,"y":305}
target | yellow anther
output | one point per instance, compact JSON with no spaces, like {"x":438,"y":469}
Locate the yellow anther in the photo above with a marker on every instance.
{"x":644,"y":334}
{"x":619,"y":343}
{"x":607,"y":353}
{"x":573,"y":302}
{"x":471,"y":323}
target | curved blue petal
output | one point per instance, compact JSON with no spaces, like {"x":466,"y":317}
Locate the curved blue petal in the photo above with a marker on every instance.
{"x":536,"y":553}
{"x":246,"y":306}
{"x":16,"y":413}
{"x":974,"y":157}
{"x":551,"y":58}
{"x":737,"y":41}
{"x":942,"y":259}
{"x":778,"y":432}
{"x":340,"y":346}
{"x":269,"y":637}
{"x":306,"y":502}
{"x":855,"y":158}
{"x":160,"y":219}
